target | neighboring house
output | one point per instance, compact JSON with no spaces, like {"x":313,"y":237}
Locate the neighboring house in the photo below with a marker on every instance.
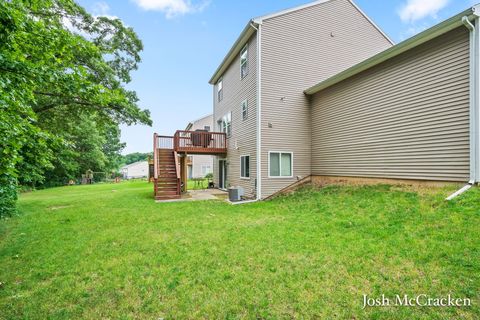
{"x":198,"y":166}
{"x":258,"y":89}
{"x":135,"y":170}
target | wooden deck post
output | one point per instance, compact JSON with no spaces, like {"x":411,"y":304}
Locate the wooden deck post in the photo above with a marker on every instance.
{"x":183,"y":171}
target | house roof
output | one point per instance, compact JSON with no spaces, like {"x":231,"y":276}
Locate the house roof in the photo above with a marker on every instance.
{"x":398,"y":49}
{"x":251,"y":28}
{"x":191,"y":123}
{"x":134,"y":164}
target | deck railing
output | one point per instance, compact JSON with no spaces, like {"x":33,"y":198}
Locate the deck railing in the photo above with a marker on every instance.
{"x":155,"y":157}
{"x":200,"y":142}
{"x":165,"y":142}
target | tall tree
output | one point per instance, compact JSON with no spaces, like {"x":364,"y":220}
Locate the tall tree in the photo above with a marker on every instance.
{"x":59,"y":64}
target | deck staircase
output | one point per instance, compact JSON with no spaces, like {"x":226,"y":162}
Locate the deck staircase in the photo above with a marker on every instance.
{"x":169,"y":177}
{"x":167,"y":186}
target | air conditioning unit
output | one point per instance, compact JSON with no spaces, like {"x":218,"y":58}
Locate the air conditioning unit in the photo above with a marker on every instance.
{"x":235,"y":194}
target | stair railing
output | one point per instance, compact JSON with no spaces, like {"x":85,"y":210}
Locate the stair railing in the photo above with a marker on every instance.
{"x":155,"y":156}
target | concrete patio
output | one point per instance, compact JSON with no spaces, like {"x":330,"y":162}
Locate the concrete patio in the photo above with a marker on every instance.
{"x":200,"y":195}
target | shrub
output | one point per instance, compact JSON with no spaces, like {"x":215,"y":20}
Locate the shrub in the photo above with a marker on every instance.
{"x":8,"y":196}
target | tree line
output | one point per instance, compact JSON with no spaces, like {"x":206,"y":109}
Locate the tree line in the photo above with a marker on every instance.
{"x":62,"y":93}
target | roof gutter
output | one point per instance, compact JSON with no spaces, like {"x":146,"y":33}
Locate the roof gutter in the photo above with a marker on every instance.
{"x":232,"y":53}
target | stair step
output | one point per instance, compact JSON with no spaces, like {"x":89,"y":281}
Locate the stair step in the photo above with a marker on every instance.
{"x":167,"y":198}
{"x":167,"y":193}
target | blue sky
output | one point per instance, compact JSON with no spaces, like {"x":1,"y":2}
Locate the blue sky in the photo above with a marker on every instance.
{"x":185,"y":40}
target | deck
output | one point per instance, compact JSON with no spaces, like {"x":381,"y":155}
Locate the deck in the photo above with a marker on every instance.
{"x":170,"y":158}
{"x":193,"y":142}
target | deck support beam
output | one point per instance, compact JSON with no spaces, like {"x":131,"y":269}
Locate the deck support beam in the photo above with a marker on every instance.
{"x":183,"y":171}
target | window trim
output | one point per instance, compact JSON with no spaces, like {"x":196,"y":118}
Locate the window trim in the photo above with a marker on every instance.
{"x":245,"y":48}
{"x":220,"y":81}
{"x":249,"y":167}
{"x":244,"y":117}
{"x":221,"y":121}
{"x":204,"y":166}
{"x":280,"y":161}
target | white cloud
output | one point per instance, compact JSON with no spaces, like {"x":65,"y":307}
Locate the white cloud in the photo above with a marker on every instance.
{"x":413,"y":30}
{"x":414,"y":10}
{"x":172,"y":8}
{"x":100,"y":8}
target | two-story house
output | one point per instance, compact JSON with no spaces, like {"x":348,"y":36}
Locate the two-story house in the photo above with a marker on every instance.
{"x":306,"y":93}
{"x":259,"y":99}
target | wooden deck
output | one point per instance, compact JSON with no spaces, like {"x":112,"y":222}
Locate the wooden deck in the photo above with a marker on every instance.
{"x":170,"y":158}
{"x":194,"y":142}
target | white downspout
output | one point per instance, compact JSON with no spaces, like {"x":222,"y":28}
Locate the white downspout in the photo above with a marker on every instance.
{"x":259,"y":107}
{"x":476,"y":108}
{"x":474,"y":101}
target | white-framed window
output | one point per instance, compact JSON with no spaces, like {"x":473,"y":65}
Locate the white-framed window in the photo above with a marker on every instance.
{"x":220,"y":90}
{"x":225,"y":124}
{"x":206,"y":169}
{"x":245,"y":167}
{"x":244,"y":109}
{"x":244,"y":62}
{"x":206,"y":128}
{"x":280,"y":164}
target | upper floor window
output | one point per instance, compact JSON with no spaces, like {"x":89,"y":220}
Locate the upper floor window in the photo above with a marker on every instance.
{"x":244,"y":110}
{"x":225,"y":124}
{"x":206,"y":128}
{"x":220,"y":90}
{"x":244,"y":62}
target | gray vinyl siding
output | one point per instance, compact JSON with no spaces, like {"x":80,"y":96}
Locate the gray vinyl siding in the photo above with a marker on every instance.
{"x":299,"y":51}
{"x":407,"y":118}
{"x":202,"y":160}
{"x":243,"y":140}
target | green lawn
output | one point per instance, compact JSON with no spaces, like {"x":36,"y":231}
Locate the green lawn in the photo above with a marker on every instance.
{"x":110,"y":252}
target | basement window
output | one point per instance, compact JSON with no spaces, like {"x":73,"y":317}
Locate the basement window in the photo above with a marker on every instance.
{"x":245,"y":167}
{"x":280,"y":164}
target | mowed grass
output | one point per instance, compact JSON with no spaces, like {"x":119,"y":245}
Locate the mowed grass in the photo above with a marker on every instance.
{"x":110,"y":252}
